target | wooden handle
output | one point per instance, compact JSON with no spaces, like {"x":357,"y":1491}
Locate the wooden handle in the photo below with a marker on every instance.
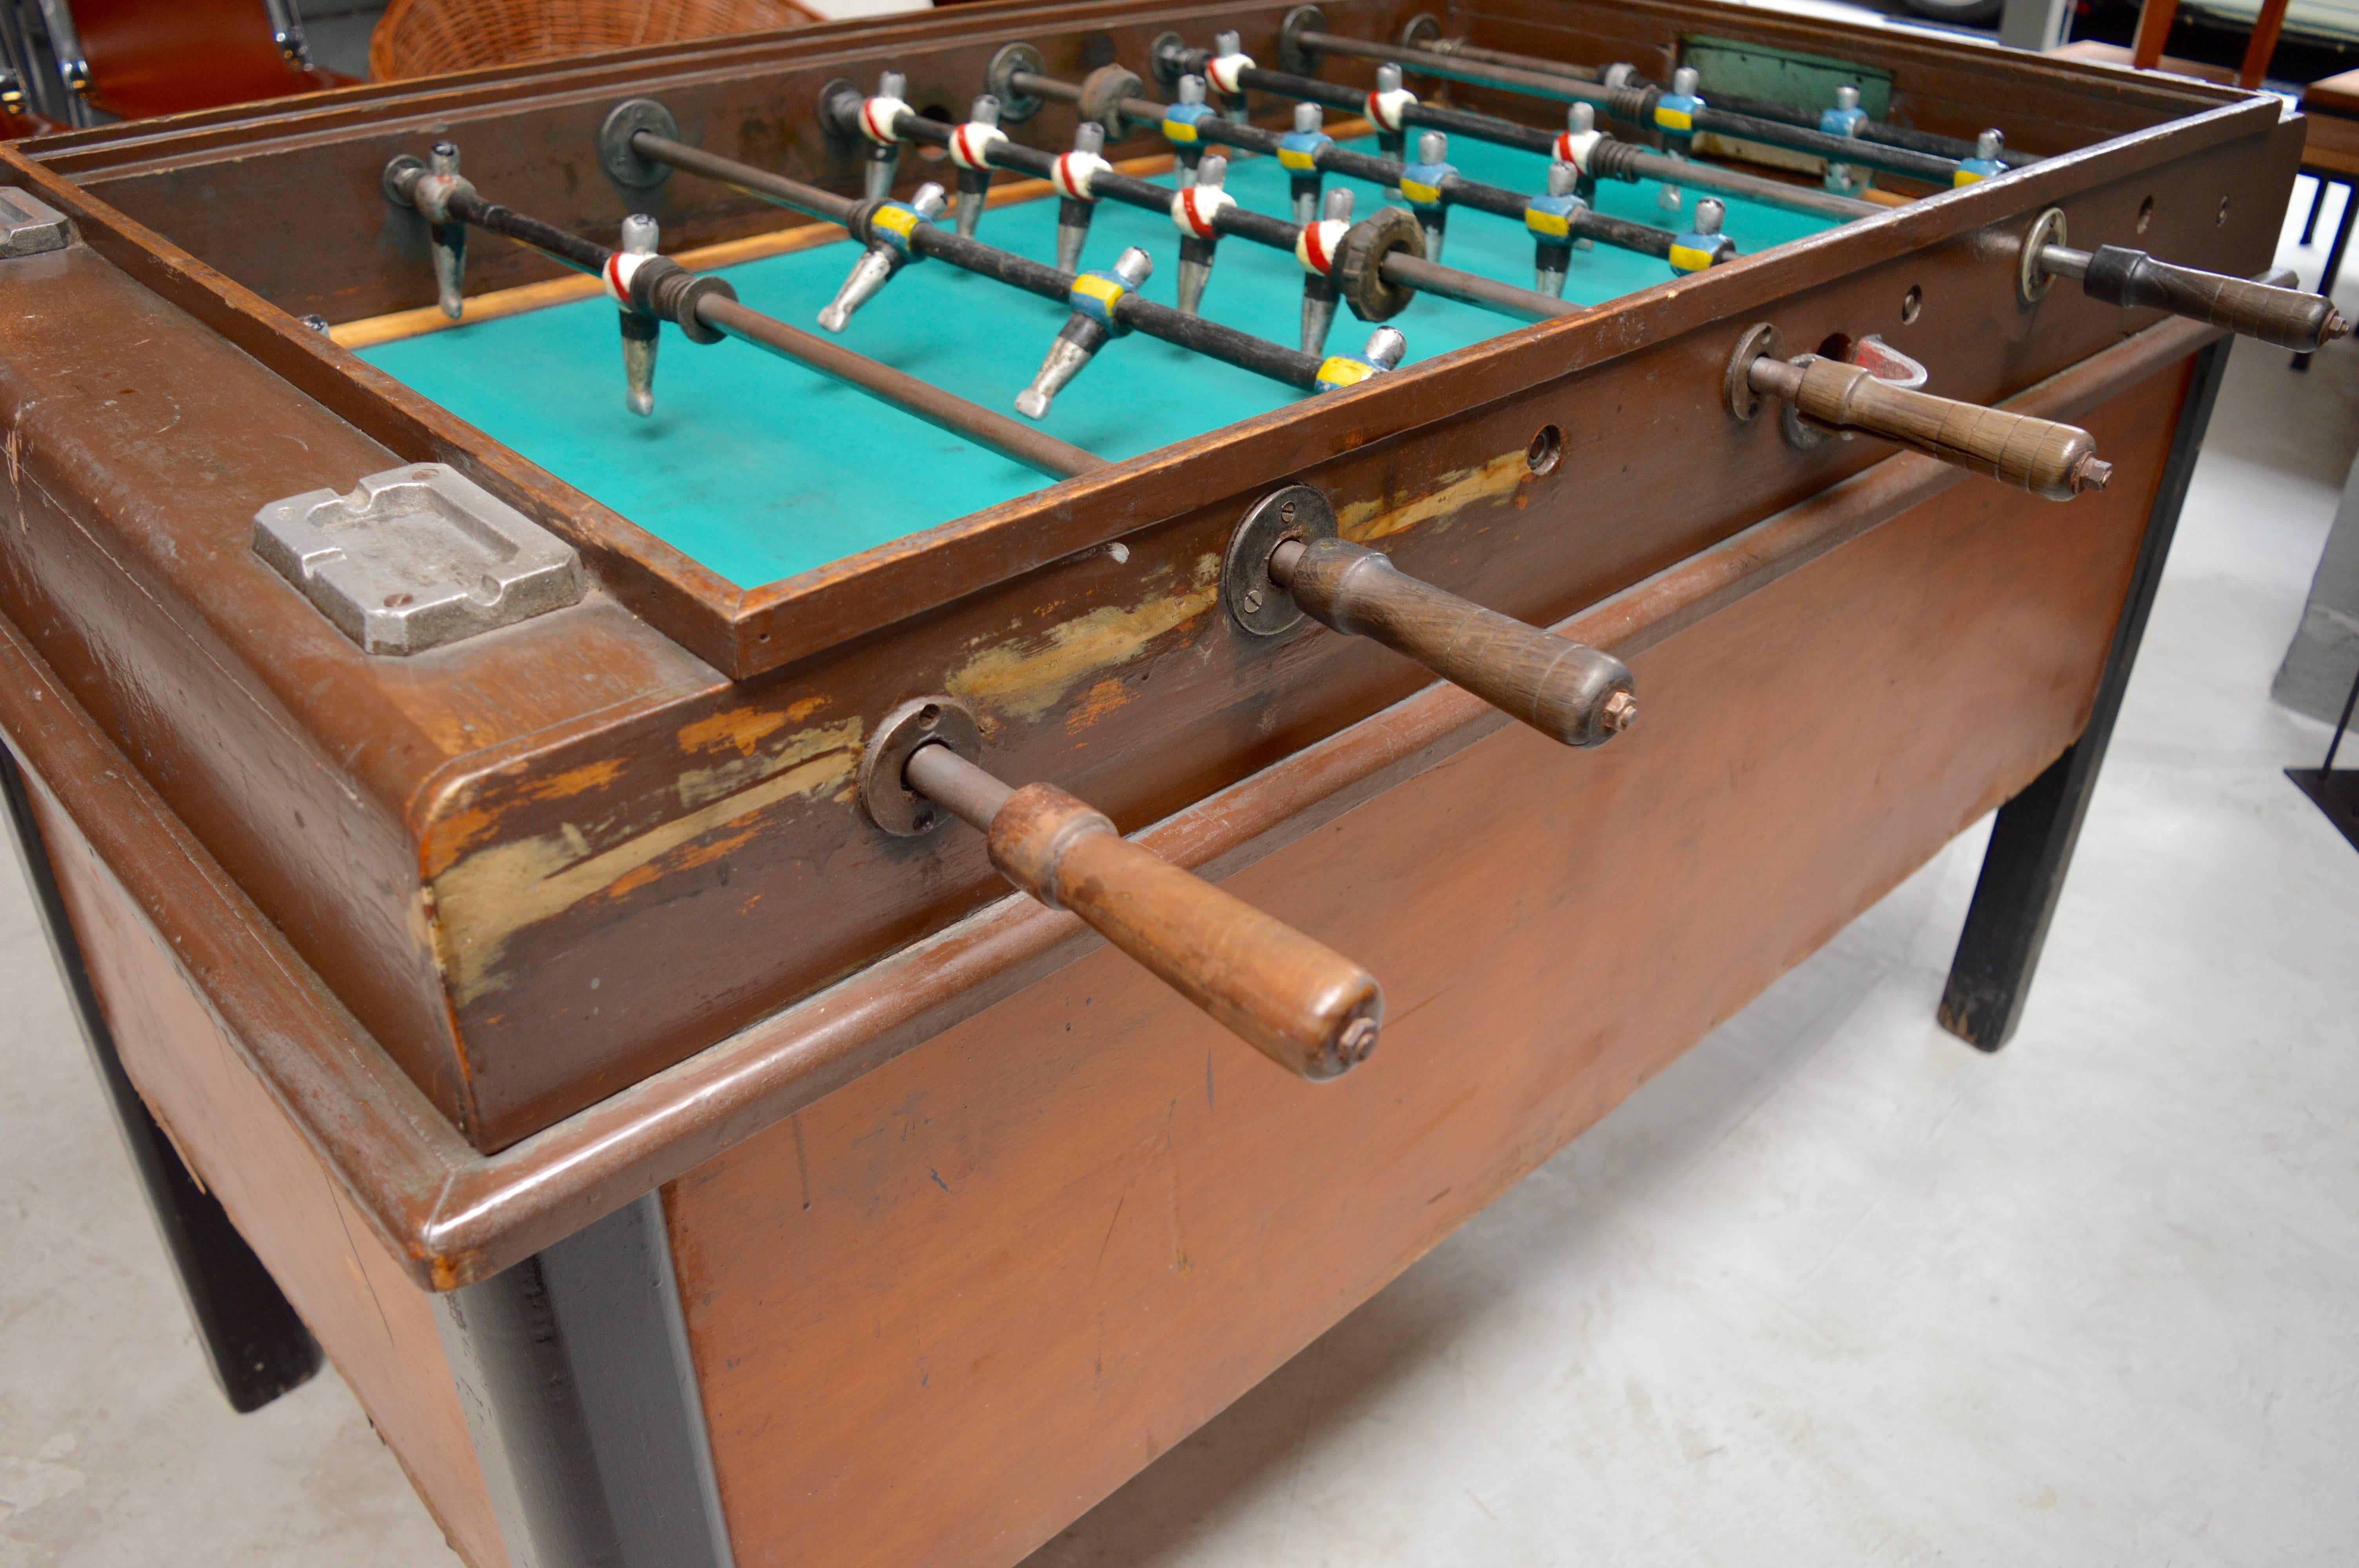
{"x":2286,"y":317}
{"x":1564,"y":690}
{"x":2058,"y":461}
{"x":1306,"y":1007}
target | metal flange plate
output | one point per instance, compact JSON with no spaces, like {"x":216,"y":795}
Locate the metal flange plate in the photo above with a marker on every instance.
{"x":1253,"y":598}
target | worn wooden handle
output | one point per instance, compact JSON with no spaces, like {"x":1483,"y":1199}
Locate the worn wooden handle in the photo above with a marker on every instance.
{"x":1308,"y":1008}
{"x":1562,"y":689}
{"x":2286,"y":317}
{"x":2058,"y":461}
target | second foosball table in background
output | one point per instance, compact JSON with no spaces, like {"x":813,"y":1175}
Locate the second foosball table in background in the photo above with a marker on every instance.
{"x":1517,"y":524}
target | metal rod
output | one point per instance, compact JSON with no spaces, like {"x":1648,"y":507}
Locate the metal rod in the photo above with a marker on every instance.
{"x":560,"y":245}
{"x":1546,"y":83}
{"x":809,"y":200}
{"x":1414,"y":271}
{"x":2064,"y":262}
{"x":1753,"y":187}
{"x":1330,"y":44}
{"x":1033,"y":448}
{"x":1047,"y":87}
{"x":1930,"y":167}
{"x":955,"y":784}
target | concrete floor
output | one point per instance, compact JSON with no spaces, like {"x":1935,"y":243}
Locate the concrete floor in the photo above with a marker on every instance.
{"x":1834,"y":1289}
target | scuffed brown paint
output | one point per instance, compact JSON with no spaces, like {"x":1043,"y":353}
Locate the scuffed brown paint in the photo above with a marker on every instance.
{"x":698,"y":787}
{"x":1095,"y":704}
{"x":477,"y":904}
{"x":1363,"y":521}
{"x":576,"y":780}
{"x":451,"y":834}
{"x":1025,"y":677}
{"x":742,"y":729}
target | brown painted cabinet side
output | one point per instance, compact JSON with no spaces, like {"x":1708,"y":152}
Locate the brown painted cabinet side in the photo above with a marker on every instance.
{"x":944,"y":1310}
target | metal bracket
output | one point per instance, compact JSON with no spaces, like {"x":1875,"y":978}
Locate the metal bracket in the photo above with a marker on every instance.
{"x":623,"y":163}
{"x":999,"y":80}
{"x":1759,"y":341}
{"x":417,"y":557}
{"x":2031,"y":279}
{"x":1252,"y":597}
{"x":1423,"y":31}
{"x":1163,"y":57}
{"x":890,"y":803}
{"x":1292,"y":56}
{"x":29,"y":226}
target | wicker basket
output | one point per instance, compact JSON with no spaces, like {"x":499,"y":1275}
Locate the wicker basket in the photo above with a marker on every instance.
{"x":422,"y":38}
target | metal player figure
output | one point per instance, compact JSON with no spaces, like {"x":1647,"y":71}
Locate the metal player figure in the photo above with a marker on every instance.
{"x":640,"y":331}
{"x":1095,"y":297}
{"x":889,"y":226}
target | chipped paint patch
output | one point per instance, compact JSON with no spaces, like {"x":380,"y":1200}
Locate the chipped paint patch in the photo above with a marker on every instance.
{"x":1096,"y":703}
{"x":1365,"y":520}
{"x":576,"y":780}
{"x":743,"y":728}
{"x":687,"y":857}
{"x":699,"y":785}
{"x":448,"y":837}
{"x":478,"y":903}
{"x":1026,"y":678}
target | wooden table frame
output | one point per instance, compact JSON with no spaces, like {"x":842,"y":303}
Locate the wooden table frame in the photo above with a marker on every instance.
{"x":529,"y":1259}
{"x":620,"y":1354}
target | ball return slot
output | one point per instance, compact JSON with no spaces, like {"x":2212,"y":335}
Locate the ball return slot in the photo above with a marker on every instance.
{"x":1285,"y":563}
{"x":2052,"y":461}
{"x":1308,"y":1008}
{"x":650,"y":290}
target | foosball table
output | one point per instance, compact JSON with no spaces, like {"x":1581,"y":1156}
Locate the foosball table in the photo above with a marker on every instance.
{"x":738,"y":748}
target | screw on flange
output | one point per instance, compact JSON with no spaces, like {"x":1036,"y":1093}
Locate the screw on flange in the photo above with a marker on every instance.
{"x":1621,"y":712}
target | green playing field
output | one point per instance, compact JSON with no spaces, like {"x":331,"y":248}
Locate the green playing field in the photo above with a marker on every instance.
{"x":759,"y":469}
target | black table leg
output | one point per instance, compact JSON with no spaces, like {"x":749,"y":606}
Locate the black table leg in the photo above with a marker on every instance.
{"x":2333,"y":272}
{"x":258,"y":1345}
{"x":2031,"y":843}
{"x":2317,"y":202}
{"x":2337,"y":795}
